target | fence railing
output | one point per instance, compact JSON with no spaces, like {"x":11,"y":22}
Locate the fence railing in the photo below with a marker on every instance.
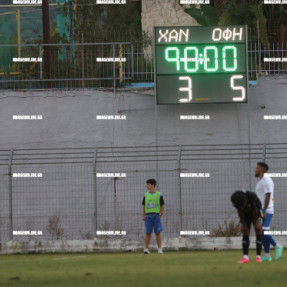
{"x":84,"y":65}
{"x":63,"y":193}
{"x":81,"y":65}
{"x":270,"y":59}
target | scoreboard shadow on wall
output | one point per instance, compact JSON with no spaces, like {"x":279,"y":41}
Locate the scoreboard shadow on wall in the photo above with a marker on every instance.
{"x":199,"y":64}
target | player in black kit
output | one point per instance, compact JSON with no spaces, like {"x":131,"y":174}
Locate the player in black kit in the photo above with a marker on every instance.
{"x":249,"y":207}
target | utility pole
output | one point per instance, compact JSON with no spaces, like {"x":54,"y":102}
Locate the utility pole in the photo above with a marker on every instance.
{"x":46,"y":40}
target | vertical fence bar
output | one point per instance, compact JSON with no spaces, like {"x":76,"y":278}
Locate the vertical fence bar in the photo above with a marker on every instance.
{"x":41,"y":65}
{"x":249,"y":140}
{"x":259,"y":47}
{"x":114,"y":70}
{"x":132,"y":58}
{"x":269,"y":68}
{"x":125,"y":64}
{"x":179,"y":187}
{"x":263,"y":62}
{"x":83,"y":63}
{"x":137,"y":53}
{"x":95,"y":192}
{"x":121,"y":64}
{"x":146,"y":67}
{"x":255,"y":59}
{"x":282,"y":56}
{"x":264,"y":152}
{"x":142,"y":65}
{"x":156,"y":136}
{"x":116,"y":216}
{"x":277,"y":56}
{"x":10,"y":196}
{"x":153,"y":69}
{"x":251,"y":62}
{"x":273,"y":55}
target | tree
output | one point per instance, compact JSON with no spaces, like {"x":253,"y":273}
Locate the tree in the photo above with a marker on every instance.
{"x":233,"y":12}
{"x":276,"y":22}
{"x":270,"y":19}
{"x":96,"y":23}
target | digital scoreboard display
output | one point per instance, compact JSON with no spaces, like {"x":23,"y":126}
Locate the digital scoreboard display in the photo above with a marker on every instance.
{"x":195,"y":65}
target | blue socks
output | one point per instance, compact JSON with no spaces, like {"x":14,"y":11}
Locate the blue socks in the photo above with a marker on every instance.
{"x":266,"y":241}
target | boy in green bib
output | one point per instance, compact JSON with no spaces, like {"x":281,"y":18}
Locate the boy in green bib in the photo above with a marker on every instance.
{"x":153,"y":206}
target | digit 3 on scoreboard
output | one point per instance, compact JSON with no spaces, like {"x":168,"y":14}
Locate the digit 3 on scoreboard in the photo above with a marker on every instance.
{"x":201,"y":64}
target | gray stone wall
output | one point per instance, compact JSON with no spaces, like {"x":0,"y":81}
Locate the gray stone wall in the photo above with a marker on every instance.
{"x":69,"y":118}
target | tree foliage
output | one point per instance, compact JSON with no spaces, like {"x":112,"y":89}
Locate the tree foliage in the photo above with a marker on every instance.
{"x":95,"y":23}
{"x":264,"y":21}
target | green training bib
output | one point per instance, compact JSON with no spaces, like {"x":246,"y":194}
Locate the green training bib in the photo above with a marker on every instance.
{"x":152,"y":202}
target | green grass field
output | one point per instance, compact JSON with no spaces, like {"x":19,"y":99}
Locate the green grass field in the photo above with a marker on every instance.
{"x":184,"y":268}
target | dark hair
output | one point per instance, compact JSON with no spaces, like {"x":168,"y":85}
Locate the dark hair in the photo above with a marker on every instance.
{"x":238,"y":198}
{"x":263,"y":164}
{"x":151,"y":181}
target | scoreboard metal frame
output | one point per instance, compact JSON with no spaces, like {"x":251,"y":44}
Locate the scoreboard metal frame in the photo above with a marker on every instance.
{"x":201,"y":64}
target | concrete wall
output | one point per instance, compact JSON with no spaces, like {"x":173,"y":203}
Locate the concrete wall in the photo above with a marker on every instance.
{"x":98,"y":245}
{"x":69,"y":118}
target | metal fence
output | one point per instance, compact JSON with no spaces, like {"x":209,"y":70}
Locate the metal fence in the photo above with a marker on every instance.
{"x":268,"y":59}
{"x":71,"y":201}
{"x":78,"y":65}
{"x":85,"y":65}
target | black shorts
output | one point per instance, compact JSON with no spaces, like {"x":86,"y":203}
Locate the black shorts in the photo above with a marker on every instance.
{"x":251,"y":216}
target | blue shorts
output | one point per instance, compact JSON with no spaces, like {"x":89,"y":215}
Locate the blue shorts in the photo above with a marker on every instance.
{"x":152,"y":221}
{"x":267,"y":221}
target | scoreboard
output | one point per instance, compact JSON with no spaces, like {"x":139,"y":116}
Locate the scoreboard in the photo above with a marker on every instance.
{"x":200,"y":64}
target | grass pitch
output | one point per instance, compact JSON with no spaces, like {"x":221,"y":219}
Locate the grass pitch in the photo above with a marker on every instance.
{"x":187,"y":268}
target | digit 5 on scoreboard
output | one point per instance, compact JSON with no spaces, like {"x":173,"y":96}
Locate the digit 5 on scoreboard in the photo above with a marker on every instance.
{"x":201,"y":64}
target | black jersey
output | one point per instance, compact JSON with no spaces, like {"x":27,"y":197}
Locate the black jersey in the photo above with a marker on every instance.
{"x":248,"y":206}
{"x":245,"y":200}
